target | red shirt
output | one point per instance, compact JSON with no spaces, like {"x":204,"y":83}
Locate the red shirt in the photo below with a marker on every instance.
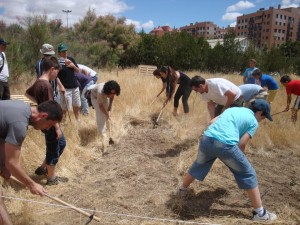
{"x":293,"y":87}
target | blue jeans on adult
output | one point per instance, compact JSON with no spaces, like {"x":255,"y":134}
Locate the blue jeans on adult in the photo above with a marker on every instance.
{"x":54,"y":147}
{"x":84,"y":102}
{"x":231,"y":155}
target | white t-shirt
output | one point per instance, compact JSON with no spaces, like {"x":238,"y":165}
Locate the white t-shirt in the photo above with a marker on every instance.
{"x":4,"y":73}
{"x":217,"y":87}
{"x":89,"y":71}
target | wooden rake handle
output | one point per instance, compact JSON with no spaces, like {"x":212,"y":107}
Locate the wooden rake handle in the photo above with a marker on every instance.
{"x":65,"y":203}
{"x":73,"y":207}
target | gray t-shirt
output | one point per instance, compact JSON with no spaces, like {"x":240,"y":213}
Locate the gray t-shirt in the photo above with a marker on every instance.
{"x":250,"y":90}
{"x":14,"y":121}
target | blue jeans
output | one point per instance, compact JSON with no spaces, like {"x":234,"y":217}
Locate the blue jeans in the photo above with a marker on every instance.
{"x":231,"y":155}
{"x":84,"y":102}
{"x":54,"y":147}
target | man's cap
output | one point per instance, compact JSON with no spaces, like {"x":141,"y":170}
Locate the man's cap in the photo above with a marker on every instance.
{"x":263,"y":105}
{"x":3,"y":42}
{"x":47,"y":49}
{"x":62,"y":47}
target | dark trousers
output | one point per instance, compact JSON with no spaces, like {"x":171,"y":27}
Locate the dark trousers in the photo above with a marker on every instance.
{"x":183,"y":91}
{"x":236,"y":103}
{"x":4,"y":91}
{"x":54,"y":147}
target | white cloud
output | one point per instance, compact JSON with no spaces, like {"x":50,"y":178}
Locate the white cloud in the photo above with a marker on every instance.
{"x":53,"y":9}
{"x":138,"y":26}
{"x":233,"y":24}
{"x":290,"y":3}
{"x":148,"y":25}
{"x":231,"y":16}
{"x":241,"y":5}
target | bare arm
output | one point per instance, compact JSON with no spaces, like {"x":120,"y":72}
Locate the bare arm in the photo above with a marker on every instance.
{"x":288,"y":102}
{"x":61,"y":86}
{"x":110,"y":103}
{"x":230,"y":99}
{"x":162,"y":90}
{"x":12,"y":163}
{"x":244,"y":79}
{"x":243,"y":141}
{"x":211,"y":106}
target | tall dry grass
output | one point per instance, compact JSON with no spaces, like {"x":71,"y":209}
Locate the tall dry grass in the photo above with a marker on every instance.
{"x":137,"y":93}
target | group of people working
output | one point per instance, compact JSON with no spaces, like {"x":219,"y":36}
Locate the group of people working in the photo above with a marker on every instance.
{"x":232,"y":125}
{"x":62,"y":84}
{"x":55,"y":91}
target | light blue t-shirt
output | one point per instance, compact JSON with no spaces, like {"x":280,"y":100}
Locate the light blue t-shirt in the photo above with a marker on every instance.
{"x":269,"y":82}
{"x":249,"y":91}
{"x":249,"y":77}
{"x":232,"y":124}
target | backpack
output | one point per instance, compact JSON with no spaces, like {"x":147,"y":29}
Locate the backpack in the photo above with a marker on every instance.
{"x":1,"y":68}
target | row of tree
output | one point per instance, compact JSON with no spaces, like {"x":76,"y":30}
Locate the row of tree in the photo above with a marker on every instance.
{"x":107,"y":42}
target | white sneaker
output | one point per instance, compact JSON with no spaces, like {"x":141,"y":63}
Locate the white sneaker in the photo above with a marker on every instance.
{"x":266,"y":216}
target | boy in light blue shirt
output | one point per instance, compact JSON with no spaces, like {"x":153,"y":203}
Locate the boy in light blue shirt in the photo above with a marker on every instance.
{"x":225,"y":139}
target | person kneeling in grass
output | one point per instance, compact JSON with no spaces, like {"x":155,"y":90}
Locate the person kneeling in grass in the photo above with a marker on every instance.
{"x":225,"y":139}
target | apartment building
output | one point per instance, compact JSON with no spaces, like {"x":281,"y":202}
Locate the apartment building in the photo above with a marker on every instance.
{"x":161,"y":30}
{"x":270,"y":28}
{"x":208,"y":30}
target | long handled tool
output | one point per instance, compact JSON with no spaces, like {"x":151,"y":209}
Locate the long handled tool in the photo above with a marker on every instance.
{"x":278,"y":113}
{"x":91,"y":216}
{"x":111,"y":141}
{"x":153,"y":101}
{"x":156,"y":121}
{"x":67,"y":107}
{"x":73,"y":207}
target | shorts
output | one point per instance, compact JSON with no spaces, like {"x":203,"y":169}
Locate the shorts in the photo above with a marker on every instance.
{"x":231,"y":155}
{"x":72,"y":96}
{"x":297,"y":103}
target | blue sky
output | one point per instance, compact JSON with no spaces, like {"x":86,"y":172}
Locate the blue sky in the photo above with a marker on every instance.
{"x":144,"y":14}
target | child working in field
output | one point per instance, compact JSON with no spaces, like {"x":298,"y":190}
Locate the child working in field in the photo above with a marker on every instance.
{"x":225,"y":139}
{"x":268,"y":83}
{"x":39,"y":92}
{"x":292,"y":87}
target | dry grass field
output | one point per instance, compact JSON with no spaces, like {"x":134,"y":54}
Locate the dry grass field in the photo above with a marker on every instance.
{"x":133,"y":181}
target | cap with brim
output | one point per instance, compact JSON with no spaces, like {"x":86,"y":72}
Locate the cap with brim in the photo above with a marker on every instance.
{"x":62,"y":47}
{"x":264,"y":106}
{"x":47,"y":49}
{"x":3,"y":42}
